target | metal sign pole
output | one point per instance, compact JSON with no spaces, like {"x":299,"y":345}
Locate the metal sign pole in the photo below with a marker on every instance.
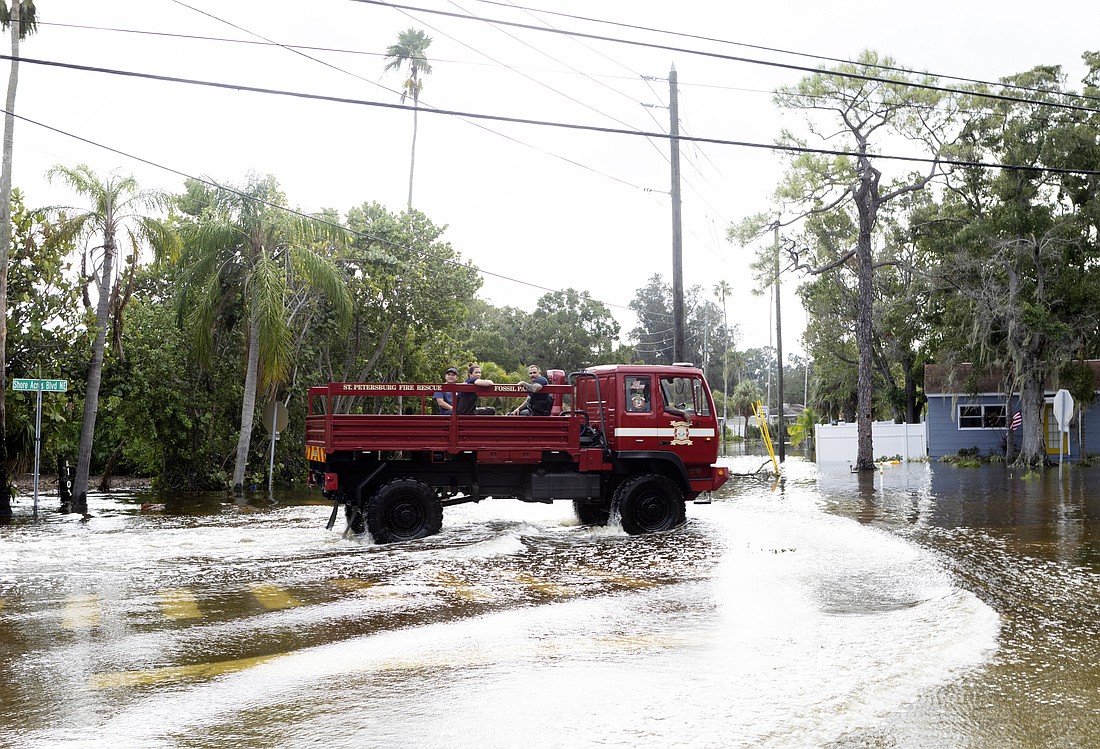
{"x":37,"y":448}
{"x":271,"y":463}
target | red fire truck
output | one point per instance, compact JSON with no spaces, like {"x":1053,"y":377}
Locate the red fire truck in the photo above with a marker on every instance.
{"x":630,"y":441}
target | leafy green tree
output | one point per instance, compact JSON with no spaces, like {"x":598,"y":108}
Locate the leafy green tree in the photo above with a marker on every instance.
{"x":411,"y":295}
{"x":245,"y":259}
{"x":21,"y":18}
{"x":1020,"y":264}
{"x":803,"y":427}
{"x":496,"y":334}
{"x":119,"y":215}
{"x":653,"y":306}
{"x":745,"y":396}
{"x":410,"y":50}
{"x":704,"y":333}
{"x":44,"y":329}
{"x":570,"y":330}
{"x":164,"y":416}
{"x":850,"y":107}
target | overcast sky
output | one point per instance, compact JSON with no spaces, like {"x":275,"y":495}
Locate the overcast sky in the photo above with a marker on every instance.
{"x":535,"y":207}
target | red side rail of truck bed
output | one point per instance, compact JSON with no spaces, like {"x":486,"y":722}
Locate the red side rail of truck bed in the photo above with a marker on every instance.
{"x":509,"y":438}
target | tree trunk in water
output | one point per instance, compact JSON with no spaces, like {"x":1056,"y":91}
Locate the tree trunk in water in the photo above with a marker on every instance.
{"x":910,"y":394}
{"x":866,"y":200}
{"x":248,"y":408}
{"x":109,"y":469}
{"x":95,"y":377}
{"x":5,"y":252}
{"x":1032,"y":451}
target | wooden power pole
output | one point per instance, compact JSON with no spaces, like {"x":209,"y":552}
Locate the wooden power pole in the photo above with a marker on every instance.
{"x":678,"y":350}
{"x":781,"y":423}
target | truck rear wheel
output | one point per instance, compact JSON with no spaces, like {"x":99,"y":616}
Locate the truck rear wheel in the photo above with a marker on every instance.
{"x":649,"y":503}
{"x":402,"y":510}
{"x":591,"y":513}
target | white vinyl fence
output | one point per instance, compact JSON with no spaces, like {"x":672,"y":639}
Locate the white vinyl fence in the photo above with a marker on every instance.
{"x":836,"y":443}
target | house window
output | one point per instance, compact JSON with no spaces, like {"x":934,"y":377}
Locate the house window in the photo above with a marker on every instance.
{"x":983,"y":417}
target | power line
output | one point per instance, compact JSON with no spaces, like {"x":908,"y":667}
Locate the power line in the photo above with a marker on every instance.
{"x":594,"y":78}
{"x":421,"y":103}
{"x":549,"y":123}
{"x":748,"y":60}
{"x":363,"y":235}
{"x":528,"y":77}
{"x":298,"y":48}
{"x":762,"y":48}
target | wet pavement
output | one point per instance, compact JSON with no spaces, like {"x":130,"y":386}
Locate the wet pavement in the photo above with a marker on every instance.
{"x":921,"y":605}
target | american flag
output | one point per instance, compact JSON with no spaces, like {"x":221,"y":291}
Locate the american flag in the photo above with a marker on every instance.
{"x":1017,"y":419}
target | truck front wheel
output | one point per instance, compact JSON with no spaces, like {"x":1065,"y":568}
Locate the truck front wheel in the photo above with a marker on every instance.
{"x":402,"y":510}
{"x":649,"y":503}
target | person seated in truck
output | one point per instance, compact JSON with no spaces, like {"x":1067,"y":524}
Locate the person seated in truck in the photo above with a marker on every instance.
{"x":637,"y":394}
{"x":538,"y":403}
{"x":677,"y":395}
{"x":444,"y":401}
{"x":466,"y":403}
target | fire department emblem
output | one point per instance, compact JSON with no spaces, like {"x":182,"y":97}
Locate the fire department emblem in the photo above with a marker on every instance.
{"x":681,"y":433}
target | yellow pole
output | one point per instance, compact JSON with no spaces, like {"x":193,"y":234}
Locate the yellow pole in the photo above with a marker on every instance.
{"x":758,"y":411}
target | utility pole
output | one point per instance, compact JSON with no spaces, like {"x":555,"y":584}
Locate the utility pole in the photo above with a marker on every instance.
{"x":781,"y":424}
{"x":706,"y":337}
{"x":677,"y":232}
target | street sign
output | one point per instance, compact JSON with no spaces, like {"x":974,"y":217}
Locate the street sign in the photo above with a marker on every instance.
{"x":1063,"y":409}
{"x":39,"y":386}
{"x":274,"y":417}
{"x":48,"y":386}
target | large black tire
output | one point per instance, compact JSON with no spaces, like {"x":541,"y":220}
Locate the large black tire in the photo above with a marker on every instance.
{"x":402,"y":510}
{"x":592,"y":513}
{"x":649,"y":503}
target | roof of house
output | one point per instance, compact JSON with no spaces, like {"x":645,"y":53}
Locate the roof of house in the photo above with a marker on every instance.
{"x":966,"y":378}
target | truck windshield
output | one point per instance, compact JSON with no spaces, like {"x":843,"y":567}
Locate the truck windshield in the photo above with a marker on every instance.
{"x":686,"y":394}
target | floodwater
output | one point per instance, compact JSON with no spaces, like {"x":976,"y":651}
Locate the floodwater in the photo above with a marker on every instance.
{"x":921,"y":605}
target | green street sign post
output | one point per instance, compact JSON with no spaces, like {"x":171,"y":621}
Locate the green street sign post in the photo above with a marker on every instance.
{"x":49,"y":386}
{"x":41,"y":386}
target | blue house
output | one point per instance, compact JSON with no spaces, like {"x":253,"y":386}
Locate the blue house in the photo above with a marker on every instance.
{"x":975,"y":412}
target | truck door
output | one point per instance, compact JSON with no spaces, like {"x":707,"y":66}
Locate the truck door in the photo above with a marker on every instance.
{"x":686,"y":419}
{"x":637,"y":427}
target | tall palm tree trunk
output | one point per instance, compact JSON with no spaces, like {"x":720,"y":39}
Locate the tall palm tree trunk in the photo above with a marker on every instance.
{"x":95,"y":377}
{"x":248,"y":406}
{"x":5,"y":251}
{"x":412,"y":157}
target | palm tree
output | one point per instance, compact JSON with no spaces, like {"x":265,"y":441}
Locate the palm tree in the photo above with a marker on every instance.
{"x":21,"y":18}
{"x":410,"y":49}
{"x":117,"y":213}
{"x":245,"y":244}
{"x":723,"y":290}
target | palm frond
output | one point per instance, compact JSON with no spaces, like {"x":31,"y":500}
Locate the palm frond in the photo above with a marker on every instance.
{"x":266,"y":289}
{"x":324,"y":276}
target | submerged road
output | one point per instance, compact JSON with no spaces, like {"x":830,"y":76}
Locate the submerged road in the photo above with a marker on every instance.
{"x":820,"y":611}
